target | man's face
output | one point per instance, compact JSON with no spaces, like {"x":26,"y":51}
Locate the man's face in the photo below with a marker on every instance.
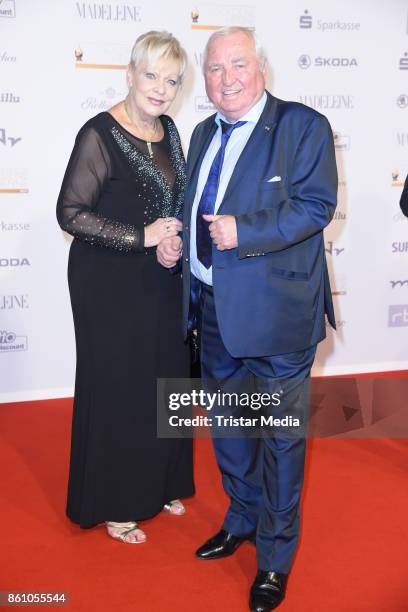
{"x":234,"y":80}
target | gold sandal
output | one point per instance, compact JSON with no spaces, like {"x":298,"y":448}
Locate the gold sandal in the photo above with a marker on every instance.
{"x":175,"y":507}
{"x":125,"y":529}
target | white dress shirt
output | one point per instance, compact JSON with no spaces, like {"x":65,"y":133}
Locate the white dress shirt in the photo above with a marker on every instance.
{"x":234,"y":148}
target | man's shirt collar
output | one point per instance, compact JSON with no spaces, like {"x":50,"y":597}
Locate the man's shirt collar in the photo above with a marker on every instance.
{"x":252,"y":116}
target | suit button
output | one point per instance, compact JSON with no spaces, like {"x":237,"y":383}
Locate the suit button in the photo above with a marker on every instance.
{"x":186,"y":259}
{"x":186,"y":227}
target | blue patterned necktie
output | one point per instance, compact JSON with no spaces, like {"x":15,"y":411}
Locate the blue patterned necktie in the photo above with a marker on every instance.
{"x":209,"y":196}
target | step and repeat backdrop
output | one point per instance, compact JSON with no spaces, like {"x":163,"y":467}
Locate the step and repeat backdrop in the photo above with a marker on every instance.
{"x":63,"y":61}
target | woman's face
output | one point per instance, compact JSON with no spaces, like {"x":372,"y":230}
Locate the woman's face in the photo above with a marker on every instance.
{"x":154,"y":87}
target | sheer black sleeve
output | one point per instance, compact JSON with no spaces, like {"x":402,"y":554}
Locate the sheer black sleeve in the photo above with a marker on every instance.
{"x":88,"y":169}
{"x":404,"y":198}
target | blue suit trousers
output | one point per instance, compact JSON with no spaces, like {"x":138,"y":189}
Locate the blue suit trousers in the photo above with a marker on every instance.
{"x":261,"y":473}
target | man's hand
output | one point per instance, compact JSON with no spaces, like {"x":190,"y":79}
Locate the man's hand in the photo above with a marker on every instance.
{"x":169,"y":251}
{"x":223,"y":231}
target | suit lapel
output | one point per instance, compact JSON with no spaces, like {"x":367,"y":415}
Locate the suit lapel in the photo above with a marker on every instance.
{"x":199,"y":148}
{"x":259,"y":139}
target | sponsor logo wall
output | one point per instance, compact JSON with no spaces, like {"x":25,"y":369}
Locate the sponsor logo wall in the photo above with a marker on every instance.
{"x":324,"y":55}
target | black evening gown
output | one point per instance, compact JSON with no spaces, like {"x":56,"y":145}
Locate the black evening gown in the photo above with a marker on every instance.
{"x":127,"y":313}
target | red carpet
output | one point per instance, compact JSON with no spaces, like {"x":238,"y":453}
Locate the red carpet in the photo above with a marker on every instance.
{"x":353,"y":553}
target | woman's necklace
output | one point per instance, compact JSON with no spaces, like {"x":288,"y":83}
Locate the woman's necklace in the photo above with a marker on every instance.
{"x":148,"y":142}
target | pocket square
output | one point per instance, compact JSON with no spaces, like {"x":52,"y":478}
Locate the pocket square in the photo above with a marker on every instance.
{"x":274,"y":179}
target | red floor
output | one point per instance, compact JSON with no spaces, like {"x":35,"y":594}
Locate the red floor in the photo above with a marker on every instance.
{"x":353,"y":553}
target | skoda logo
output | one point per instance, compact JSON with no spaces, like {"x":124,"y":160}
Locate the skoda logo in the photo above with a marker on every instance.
{"x":304,"y":61}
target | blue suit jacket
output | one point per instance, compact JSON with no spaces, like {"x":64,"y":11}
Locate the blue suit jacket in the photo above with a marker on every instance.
{"x":272,"y":291}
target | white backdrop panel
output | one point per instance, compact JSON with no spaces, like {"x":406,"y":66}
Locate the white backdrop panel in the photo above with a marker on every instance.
{"x":62,"y":61}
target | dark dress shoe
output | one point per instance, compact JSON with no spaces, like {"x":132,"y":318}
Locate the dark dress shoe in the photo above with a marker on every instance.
{"x":222,"y":544}
{"x":267,"y":592}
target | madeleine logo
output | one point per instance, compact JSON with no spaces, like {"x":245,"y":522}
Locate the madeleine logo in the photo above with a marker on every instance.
{"x":13,"y":180}
{"x":328,"y":101}
{"x":7,"y":8}
{"x":101,"y":56}
{"x":217,"y":16}
{"x":109,"y":11}
{"x":14,"y":302}
{"x":10,"y":342}
{"x":397,"y":180}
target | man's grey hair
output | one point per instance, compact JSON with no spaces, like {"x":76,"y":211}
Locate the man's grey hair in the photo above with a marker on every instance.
{"x":234,"y":30}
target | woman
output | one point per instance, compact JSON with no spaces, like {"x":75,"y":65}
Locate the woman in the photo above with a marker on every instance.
{"x":121,"y":194}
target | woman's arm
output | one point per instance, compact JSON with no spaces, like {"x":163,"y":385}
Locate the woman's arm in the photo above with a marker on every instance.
{"x":88,"y":169}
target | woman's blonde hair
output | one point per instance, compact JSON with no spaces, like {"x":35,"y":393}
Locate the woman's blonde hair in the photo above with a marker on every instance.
{"x":155,"y":45}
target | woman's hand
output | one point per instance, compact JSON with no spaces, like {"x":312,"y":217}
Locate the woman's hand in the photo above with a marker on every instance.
{"x":161,"y":228}
{"x":169,"y":251}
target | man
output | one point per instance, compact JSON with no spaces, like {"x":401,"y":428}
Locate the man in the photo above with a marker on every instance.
{"x":262,"y":175}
